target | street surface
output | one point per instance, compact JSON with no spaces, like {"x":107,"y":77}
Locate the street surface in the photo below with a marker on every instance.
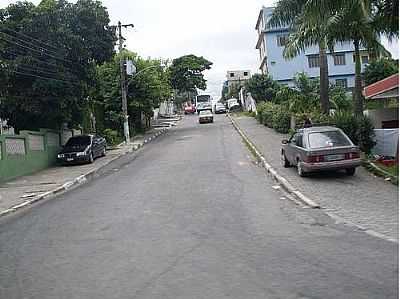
{"x":190,"y":216}
{"x":362,"y":199}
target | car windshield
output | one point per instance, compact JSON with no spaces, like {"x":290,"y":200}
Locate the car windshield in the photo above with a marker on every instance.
{"x":78,"y":141}
{"x":327,"y":139}
{"x":205,"y":112}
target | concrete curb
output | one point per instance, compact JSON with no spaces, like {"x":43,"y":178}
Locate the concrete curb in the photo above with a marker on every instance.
{"x":296,"y":194}
{"x":269,"y":169}
{"x":82,"y":179}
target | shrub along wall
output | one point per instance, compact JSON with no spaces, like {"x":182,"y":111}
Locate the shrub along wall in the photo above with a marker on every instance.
{"x":359,"y":129}
{"x":30,"y":151}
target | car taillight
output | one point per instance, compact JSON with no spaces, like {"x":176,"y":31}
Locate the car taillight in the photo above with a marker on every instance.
{"x":315,"y":159}
{"x":353,"y":155}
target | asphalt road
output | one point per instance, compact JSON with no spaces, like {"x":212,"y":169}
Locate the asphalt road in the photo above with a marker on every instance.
{"x":190,"y":216}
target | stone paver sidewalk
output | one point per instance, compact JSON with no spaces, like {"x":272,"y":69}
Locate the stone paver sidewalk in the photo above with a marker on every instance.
{"x":22,"y":189}
{"x":365,"y":200}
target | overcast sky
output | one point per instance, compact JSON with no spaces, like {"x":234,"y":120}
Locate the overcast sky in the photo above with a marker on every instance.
{"x":223,"y":31}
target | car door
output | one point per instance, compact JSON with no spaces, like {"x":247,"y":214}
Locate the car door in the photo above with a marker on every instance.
{"x":291,"y":149}
{"x":300,"y":150}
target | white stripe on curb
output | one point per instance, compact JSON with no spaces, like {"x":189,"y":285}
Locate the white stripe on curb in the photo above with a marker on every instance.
{"x":297,"y":194}
{"x":281,"y":180}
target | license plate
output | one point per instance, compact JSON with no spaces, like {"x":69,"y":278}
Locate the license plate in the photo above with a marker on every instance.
{"x":334,"y":157}
{"x":70,"y":159}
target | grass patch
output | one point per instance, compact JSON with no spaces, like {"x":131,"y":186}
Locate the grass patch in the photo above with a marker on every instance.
{"x":251,"y":150}
{"x":388,"y":172}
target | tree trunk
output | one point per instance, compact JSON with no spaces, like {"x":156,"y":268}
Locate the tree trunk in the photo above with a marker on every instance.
{"x":357,"y":95}
{"x":324,"y":79}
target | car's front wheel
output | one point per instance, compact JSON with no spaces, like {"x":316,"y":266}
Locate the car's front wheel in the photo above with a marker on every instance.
{"x":350,"y":171}
{"x":284,"y":160}
{"x":91,"y":158}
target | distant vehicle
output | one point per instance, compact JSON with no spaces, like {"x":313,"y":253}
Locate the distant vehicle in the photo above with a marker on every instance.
{"x":319,"y":149}
{"x":189,"y":109}
{"x":203,"y":102}
{"x":206,"y":116}
{"x":82,"y":149}
{"x":220,"y":108}
{"x":233,"y":105}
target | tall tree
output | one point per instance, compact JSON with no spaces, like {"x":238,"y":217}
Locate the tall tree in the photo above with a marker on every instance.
{"x":146,"y":89}
{"x":353,"y":22}
{"x":187,"y":73}
{"x":308,"y":27}
{"x":262,"y":87}
{"x":380,"y":69}
{"x":48,"y":55}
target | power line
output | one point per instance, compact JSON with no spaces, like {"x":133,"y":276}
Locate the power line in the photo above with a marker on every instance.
{"x":30,"y":37}
{"x":36,"y":50}
{"x":42,"y":77}
{"x":30,"y":43}
{"x":41,"y":71}
{"x":38,"y":47}
{"x":24,"y":56}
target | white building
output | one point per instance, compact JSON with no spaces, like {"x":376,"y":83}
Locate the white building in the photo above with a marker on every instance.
{"x":237,"y":78}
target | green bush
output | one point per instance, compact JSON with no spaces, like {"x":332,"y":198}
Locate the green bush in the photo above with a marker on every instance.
{"x":317,"y":118}
{"x":260,"y":109}
{"x":268,"y":116}
{"x":365,"y":134}
{"x":359,"y":129}
{"x":348,"y":123}
{"x":112,"y":136}
{"x":281,"y":120}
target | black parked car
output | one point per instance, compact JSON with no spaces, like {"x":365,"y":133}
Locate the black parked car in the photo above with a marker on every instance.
{"x":82,"y":149}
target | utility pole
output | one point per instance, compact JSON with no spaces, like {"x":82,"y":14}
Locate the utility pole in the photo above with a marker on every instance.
{"x":123,"y":82}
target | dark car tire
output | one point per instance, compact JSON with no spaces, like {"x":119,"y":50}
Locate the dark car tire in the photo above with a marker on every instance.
{"x":91,"y":158}
{"x":103,"y":153}
{"x":350,"y":171}
{"x":300,"y":170}
{"x":284,"y":160}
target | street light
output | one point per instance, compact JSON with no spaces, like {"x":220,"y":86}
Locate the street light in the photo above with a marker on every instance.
{"x":141,"y":71}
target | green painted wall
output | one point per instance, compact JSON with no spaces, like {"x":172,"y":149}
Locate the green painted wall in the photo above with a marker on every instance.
{"x":34,"y":159}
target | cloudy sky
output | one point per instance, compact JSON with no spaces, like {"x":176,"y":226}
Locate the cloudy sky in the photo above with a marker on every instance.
{"x":220,"y":30}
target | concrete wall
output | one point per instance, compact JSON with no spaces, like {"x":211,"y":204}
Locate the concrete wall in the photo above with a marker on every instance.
{"x":377,"y":116}
{"x":29,"y":152}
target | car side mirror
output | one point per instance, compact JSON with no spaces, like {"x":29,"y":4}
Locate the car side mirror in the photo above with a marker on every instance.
{"x":285,"y":141}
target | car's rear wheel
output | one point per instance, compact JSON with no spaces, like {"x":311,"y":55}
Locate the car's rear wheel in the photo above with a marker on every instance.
{"x":350,"y":171}
{"x":300,"y":170}
{"x":103,"y":153}
{"x":284,"y":161}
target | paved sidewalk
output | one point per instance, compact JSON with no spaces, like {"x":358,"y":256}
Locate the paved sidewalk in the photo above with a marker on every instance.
{"x":32,"y":187}
{"x":365,"y":200}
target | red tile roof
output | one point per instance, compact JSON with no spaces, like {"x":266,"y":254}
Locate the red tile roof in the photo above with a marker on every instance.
{"x":382,"y":86}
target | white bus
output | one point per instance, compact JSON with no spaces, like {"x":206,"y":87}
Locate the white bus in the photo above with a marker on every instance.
{"x":203,"y":102}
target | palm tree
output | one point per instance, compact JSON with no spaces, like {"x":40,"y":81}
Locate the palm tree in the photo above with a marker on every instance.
{"x":308,"y":26}
{"x":353,"y":22}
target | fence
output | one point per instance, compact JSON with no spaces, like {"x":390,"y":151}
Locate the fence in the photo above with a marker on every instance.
{"x":30,"y":151}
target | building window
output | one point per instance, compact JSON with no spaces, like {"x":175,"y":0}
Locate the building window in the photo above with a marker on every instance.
{"x":282,"y":40}
{"x":232,"y":75}
{"x":313,"y":61}
{"x":245,"y":73}
{"x":339,"y":59}
{"x":341,"y":83}
{"x":363,"y":56}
